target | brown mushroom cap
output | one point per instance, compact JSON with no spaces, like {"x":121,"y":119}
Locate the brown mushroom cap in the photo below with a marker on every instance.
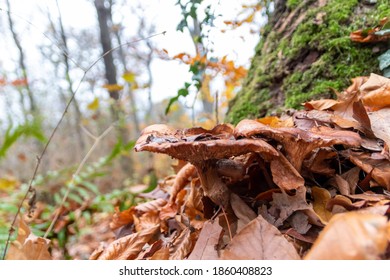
{"x":298,"y":143}
{"x":197,"y":144}
{"x":203,"y":148}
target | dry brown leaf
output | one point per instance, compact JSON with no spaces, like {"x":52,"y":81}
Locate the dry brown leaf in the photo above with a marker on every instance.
{"x":242,"y":211}
{"x":28,"y":246}
{"x":194,"y":205}
{"x":206,"y":245}
{"x":122,"y":218}
{"x":321,"y":197}
{"x":321,"y":105}
{"x":182,"y":245}
{"x":378,"y":168}
{"x":168,"y":211}
{"x":259,"y":240}
{"x":153,"y":205}
{"x":182,"y":179}
{"x":376,"y":91}
{"x":300,"y":222}
{"x":147,"y":220}
{"x":285,"y":204}
{"x":161,"y":254}
{"x":128,"y":247}
{"x":319,"y":161}
{"x":351,"y":236}
{"x":380,"y":124}
{"x":285,"y":175}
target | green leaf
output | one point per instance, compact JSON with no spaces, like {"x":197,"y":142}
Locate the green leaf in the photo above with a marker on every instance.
{"x":182,"y":92}
{"x":13,"y":134}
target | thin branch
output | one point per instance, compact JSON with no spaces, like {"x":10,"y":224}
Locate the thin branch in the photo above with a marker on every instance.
{"x":81,"y":165}
{"x":39,"y":158}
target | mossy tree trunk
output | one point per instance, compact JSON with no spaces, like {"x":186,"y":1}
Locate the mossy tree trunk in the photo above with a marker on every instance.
{"x":305,"y":53}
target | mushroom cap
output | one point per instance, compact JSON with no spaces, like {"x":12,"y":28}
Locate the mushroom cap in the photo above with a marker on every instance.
{"x":198,"y":144}
{"x":298,"y":143}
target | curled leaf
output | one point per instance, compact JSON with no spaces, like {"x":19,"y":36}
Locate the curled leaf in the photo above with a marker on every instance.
{"x":128,"y":247}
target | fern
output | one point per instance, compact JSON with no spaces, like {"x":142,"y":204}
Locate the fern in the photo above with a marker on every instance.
{"x":13,"y":134}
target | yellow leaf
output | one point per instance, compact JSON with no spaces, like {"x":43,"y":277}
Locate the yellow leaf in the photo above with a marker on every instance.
{"x":94,"y":105}
{"x":113,"y":87}
{"x":272,"y":121}
{"x":8,"y":183}
{"x":321,"y":197}
{"x":129,"y":77}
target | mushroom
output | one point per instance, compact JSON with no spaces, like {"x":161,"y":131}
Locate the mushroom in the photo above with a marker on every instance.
{"x":298,"y":143}
{"x":203,"y":148}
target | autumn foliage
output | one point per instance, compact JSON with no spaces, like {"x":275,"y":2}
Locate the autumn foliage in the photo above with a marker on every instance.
{"x":311,"y":184}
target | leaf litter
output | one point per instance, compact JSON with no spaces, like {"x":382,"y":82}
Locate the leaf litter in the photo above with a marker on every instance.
{"x":311,"y":185}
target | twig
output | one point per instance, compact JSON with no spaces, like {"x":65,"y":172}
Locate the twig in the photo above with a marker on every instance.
{"x":81,"y":165}
{"x":39,"y":158}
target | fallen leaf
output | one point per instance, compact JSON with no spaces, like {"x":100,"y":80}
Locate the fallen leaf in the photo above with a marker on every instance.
{"x":128,"y":247}
{"x":376,"y":91}
{"x":321,"y":197}
{"x":380,"y":124}
{"x":318,"y":162}
{"x":300,"y":222}
{"x":259,"y":240}
{"x":182,"y":245}
{"x":206,"y":245}
{"x":285,"y":175}
{"x":161,"y":254}
{"x":122,"y":218}
{"x":182,"y":178}
{"x":378,"y":168}
{"x":28,"y":246}
{"x":152,"y":205}
{"x":242,"y":211}
{"x":285,"y":204}
{"x":351,"y":236}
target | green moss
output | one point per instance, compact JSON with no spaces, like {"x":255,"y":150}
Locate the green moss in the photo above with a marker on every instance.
{"x":249,"y":105}
{"x":292,"y":4}
{"x":325,"y":30}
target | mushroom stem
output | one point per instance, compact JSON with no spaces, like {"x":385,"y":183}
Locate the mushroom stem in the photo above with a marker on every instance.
{"x":212,"y":184}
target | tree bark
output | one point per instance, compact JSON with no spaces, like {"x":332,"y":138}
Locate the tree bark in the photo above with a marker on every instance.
{"x":305,"y":53}
{"x":103,"y":14}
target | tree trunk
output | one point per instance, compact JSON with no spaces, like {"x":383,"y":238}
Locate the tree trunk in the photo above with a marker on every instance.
{"x":103,"y":14}
{"x":305,"y":53}
{"x":104,"y":19}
